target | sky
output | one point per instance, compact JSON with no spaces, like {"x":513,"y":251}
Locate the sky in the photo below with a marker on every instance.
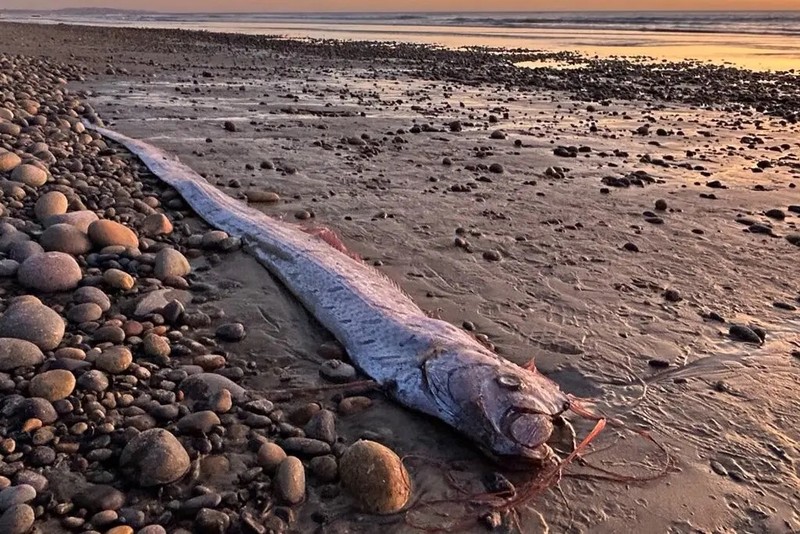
{"x":405,"y":5}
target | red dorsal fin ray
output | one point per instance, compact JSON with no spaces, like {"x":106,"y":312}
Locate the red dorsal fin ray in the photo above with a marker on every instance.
{"x":330,"y":237}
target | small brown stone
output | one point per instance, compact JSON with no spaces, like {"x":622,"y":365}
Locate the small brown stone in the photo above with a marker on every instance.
{"x":52,"y":385}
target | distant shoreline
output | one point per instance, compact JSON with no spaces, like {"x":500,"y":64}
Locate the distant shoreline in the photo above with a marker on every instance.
{"x":760,"y":41}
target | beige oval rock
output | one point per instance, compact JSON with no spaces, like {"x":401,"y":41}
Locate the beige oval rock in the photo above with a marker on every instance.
{"x":29,"y":175}
{"x":81,"y":219}
{"x":49,"y":204}
{"x":270,"y":456}
{"x":105,"y":233}
{"x":268,"y":197}
{"x":170,"y":262}
{"x":65,"y":238}
{"x":50,"y":272}
{"x":6,"y":114}
{"x":52,"y":385}
{"x":32,"y":321}
{"x":118,"y":279}
{"x":375,"y":477}
{"x":155,"y":457}
{"x":290,"y":480}
{"x":8,"y":160}
{"x":114,"y":360}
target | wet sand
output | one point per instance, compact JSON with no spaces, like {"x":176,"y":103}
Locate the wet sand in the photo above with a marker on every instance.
{"x":610,"y":295}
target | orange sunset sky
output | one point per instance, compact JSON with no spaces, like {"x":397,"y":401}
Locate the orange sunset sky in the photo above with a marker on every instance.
{"x":406,"y":5}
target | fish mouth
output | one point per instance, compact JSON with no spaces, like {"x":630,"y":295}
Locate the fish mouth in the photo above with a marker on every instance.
{"x":528,"y":429}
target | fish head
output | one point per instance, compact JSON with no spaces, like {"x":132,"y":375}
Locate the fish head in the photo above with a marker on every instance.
{"x":506,"y":409}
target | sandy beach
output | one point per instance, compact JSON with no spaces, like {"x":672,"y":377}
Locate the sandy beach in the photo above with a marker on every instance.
{"x":627,"y":226}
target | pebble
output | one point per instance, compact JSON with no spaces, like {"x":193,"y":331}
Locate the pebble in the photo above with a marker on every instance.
{"x":744,"y":333}
{"x":8,"y":160}
{"x":199,"y":423}
{"x":8,"y":268}
{"x":270,"y":456}
{"x":268,"y":197}
{"x":213,"y":239}
{"x":290,"y":480}
{"x":83,"y":313}
{"x":99,"y":497}
{"x":93,"y":380}
{"x":354,"y":405}
{"x":9,"y":128}
{"x":37,"y":409}
{"x":17,"y":519}
{"x":492,"y":255}
{"x":212,"y":522}
{"x":114,"y":360}
{"x":15,"y":495}
{"x":661,"y":204}
{"x":231,"y":332}
{"x":50,"y":272}
{"x":22,"y":250}
{"x":322,"y":426}
{"x":118,"y":279}
{"x":156,"y":346}
{"x":305,"y":446}
{"x":170,"y":262}
{"x":776,"y":214}
{"x":221,"y":402}
{"x":81,"y":219}
{"x":16,"y":353}
{"x":337,"y":371}
{"x":156,"y":224}
{"x":155,"y":457}
{"x":65,"y":238}
{"x":375,"y":477}
{"x":105,"y":233}
{"x":30,"y":175}
{"x":201,"y":386}
{"x":324,"y":468}
{"x":94,"y":295}
{"x":49,"y":204}
{"x":32,"y":321}
{"x":52,"y":385}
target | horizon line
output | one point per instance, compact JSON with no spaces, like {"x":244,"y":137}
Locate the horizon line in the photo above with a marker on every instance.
{"x":389,"y":12}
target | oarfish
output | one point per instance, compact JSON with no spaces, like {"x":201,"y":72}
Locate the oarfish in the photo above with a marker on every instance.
{"x":423,"y":363}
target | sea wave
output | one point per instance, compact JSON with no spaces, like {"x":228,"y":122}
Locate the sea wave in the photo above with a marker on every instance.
{"x":753,"y":22}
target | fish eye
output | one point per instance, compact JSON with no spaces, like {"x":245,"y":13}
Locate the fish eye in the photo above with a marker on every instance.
{"x":511,"y":382}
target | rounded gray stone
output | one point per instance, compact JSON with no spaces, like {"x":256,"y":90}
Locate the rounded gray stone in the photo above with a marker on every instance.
{"x":155,"y":457}
{"x":65,"y":238}
{"x":50,"y":272}
{"x":16,"y":353}
{"x":33,"y":321}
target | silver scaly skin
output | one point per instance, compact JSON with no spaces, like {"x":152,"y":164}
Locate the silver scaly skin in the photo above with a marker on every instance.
{"x":425,"y":364}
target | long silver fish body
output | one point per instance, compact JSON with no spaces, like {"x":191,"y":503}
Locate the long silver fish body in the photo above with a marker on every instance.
{"x":426,"y":364}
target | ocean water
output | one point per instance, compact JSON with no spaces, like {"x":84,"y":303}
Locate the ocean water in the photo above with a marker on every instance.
{"x":755,"y":40}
